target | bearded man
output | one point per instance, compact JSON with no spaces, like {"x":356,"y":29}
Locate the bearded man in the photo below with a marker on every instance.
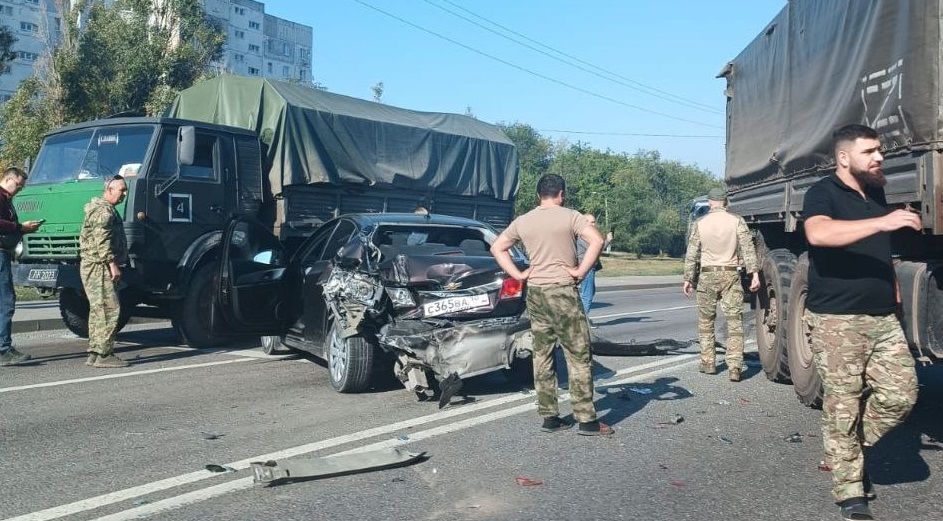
{"x":853,"y":294}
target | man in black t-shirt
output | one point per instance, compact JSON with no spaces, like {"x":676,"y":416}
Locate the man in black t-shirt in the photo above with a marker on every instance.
{"x":853,"y":293}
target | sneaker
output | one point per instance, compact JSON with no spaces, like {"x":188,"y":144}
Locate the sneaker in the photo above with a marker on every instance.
{"x":734,"y":374}
{"x":555,"y":424}
{"x":855,"y":509}
{"x":13,"y":357}
{"x":109,"y":362}
{"x":595,"y":428}
{"x":708,"y":368}
{"x":92,"y":357}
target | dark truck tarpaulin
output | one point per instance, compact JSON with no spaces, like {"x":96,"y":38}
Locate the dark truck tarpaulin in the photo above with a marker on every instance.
{"x":315,"y":136}
{"x":821,"y":64}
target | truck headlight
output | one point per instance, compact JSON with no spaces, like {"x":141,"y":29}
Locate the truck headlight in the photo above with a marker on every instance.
{"x":18,"y":251}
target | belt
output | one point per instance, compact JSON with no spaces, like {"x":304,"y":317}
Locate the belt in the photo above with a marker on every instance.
{"x":708,"y":269}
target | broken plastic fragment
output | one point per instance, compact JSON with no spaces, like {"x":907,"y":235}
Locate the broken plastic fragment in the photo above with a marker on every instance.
{"x":793,"y":438}
{"x":824,"y":467}
{"x":336,"y":465}
{"x":212,"y":467}
{"x":527,"y":482}
{"x":722,"y":402}
{"x":725,"y":440}
{"x":211,"y":435}
{"x":677,"y":483}
{"x":403,"y":438}
{"x":673,"y":421}
{"x":640,"y":390}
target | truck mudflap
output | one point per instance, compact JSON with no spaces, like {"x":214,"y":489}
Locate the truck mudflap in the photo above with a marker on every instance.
{"x":50,"y":276}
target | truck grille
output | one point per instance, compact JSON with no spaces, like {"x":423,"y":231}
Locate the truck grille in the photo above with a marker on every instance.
{"x":52,"y":246}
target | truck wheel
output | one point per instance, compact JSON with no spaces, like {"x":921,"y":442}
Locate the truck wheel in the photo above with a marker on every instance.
{"x":771,"y":313}
{"x":349,"y":361}
{"x":805,"y":377}
{"x":192,"y":319}
{"x":73,"y":308}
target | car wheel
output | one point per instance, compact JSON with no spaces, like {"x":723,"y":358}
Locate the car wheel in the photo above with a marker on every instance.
{"x":349,"y":361}
{"x":272,"y":344}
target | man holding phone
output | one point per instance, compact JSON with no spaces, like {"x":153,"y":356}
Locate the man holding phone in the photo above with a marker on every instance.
{"x":11,"y":231}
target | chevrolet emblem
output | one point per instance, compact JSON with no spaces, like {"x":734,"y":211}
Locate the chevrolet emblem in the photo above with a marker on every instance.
{"x":452,"y":286}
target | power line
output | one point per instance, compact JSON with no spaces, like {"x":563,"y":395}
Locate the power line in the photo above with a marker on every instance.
{"x":606,"y":74}
{"x":593,"y":133}
{"x":531,"y":72}
{"x":639,"y":84}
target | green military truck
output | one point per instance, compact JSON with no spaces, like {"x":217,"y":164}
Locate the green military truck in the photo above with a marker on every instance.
{"x":290,"y":156}
{"x":818,"y":65}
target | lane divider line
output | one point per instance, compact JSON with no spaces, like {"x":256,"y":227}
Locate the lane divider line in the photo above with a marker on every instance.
{"x":204,"y":494}
{"x":627,"y":313}
{"x":191,"y":477}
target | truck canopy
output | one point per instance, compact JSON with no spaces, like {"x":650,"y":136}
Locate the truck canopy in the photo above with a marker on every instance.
{"x":822,"y":64}
{"x":315,"y":137}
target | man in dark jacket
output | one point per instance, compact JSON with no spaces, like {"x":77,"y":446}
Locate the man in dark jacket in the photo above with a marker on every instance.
{"x":11,"y":231}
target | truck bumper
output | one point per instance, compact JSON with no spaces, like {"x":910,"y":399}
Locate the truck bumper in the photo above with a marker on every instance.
{"x":50,"y":276}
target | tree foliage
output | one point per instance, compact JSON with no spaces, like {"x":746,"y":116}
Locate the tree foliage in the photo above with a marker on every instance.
{"x":642,"y":197}
{"x":131,"y":56}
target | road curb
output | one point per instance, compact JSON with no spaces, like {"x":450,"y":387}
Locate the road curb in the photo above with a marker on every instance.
{"x":54,"y":324}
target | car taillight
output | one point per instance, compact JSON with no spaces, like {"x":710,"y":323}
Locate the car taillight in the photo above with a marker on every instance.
{"x":511,"y":288}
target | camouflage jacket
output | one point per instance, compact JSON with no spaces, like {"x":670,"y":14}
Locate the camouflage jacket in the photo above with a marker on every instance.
{"x":744,"y":246}
{"x":102,"y":239}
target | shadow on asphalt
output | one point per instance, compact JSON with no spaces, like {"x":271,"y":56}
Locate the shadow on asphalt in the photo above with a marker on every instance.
{"x":900,"y":456}
{"x":622,"y":402}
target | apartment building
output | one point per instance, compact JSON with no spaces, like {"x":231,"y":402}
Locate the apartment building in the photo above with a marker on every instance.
{"x":257,"y":44}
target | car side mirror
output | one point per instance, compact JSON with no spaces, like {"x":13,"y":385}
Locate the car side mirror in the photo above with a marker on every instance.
{"x":186,"y":145}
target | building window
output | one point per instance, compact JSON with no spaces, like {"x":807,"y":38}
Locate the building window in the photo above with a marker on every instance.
{"x":36,"y":2}
{"x":270,"y":67}
{"x":285,"y":49}
{"x":239,"y":34}
{"x":28,"y":56}
{"x":253,"y":71}
{"x":253,"y":48}
{"x":285,"y":71}
{"x":301,"y":75}
{"x":254,"y":25}
{"x":29,"y":26}
{"x":239,"y":10}
{"x":6,"y":10}
{"x":239,"y":57}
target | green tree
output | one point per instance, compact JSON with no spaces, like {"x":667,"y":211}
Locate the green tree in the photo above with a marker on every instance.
{"x":6,"y":48}
{"x":534,"y":153}
{"x":130,"y":56}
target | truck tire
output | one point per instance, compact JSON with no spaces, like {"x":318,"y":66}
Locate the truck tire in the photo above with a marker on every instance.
{"x":192,"y":319}
{"x":771,"y":313}
{"x":805,"y":377}
{"x":73,"y":308}
{"x":350,"y":361}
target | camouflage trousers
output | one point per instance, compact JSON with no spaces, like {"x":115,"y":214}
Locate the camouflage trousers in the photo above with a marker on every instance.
{"x":854,"y":352}
{"x":556,"y":315}
{"x":725,"y":286}
{"x":103,"y":307}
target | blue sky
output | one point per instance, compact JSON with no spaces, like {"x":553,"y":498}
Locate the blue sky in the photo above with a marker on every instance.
{"x":673,"y":46}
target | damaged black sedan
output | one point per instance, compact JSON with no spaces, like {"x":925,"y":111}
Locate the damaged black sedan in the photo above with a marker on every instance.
{"x":418,"y":295}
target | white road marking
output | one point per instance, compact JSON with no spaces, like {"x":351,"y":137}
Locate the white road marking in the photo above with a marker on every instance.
{"x":627,"y":313}
{"x":207,"y":493}
{"x":119,"y":375}
{"x":183,"y":479}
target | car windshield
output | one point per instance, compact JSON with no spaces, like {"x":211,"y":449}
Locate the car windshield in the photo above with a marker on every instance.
{"x":92,"y":153}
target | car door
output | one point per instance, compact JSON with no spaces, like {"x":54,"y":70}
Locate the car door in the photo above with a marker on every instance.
{"x":315,"y":309}
{"x":254,"y":295}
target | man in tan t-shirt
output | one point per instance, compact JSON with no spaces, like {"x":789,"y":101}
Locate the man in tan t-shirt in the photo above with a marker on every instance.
{"x":718,"y":243}
{"x":548,"y":234}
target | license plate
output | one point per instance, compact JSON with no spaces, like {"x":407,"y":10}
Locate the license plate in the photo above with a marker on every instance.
{"x":455,"y":304}
{"x":42,"y":275}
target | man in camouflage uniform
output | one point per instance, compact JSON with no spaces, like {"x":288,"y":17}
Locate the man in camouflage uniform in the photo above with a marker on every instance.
{"x":713,"y":244}
{"x":104,"y":249}
{"x":857,"y":340}
{"x":548,"y":232}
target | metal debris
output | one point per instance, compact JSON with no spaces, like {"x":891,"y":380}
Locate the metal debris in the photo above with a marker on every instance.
{"x":673,"y":421}
{"x":271,"y":472}
{"x":793,"y":438}
{"x":211,"y":435}
{"x":212,"y":467}
{"x":725,"y":440}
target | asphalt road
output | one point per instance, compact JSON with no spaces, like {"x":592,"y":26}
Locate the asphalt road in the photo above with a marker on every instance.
{"x":82,"y":443}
